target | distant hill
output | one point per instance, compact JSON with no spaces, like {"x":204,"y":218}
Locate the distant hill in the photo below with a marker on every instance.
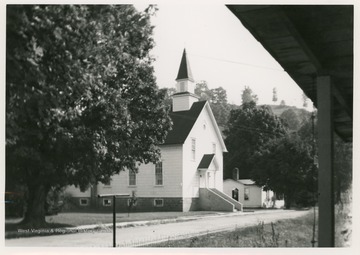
{"x":279,"y":109}
{"x":294,"y":116}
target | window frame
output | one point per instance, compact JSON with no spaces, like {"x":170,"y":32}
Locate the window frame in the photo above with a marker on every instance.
{"x":193,"y":149}
{"x":109,"y":203}
{"x":159,"y":205}
{"x":132,"y":177}
{"x":83,"y":199}
{"x":214,"y":148}
{"x":159,"y":166}
{"x":246,"y":194}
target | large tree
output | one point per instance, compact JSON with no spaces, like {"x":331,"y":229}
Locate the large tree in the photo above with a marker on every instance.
{"x":285,"y":165}
{"x":249,"y":128}
{"x":81,"y":99}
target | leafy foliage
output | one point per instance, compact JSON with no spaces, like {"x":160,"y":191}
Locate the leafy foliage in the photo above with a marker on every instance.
{"x":218,"y":101}
{"x":342,"y":167}
{"x":285,"y":165}
{"x":82,"y":102}
{"x":249,"y":128}
{"x":295,"y":118}
{"x":248,"y":96}
{"x":275,"y":97}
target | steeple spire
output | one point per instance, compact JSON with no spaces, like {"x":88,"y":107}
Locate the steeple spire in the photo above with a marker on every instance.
{"x":185,"y":87}
{"x":184,"y":70}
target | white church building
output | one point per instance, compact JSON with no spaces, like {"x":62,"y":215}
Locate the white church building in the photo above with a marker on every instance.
{"x":190,"y":174}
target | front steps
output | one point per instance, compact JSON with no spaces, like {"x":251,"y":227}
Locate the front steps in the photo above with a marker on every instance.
{"x":215,"y":200}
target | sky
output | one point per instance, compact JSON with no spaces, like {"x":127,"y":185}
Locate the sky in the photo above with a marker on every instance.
{"x":221,"y":52}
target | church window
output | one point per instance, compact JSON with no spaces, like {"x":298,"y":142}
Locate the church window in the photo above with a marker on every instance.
{"x":159,"y":174}
{"x":132,"y":178}
{"x":193,"y":148}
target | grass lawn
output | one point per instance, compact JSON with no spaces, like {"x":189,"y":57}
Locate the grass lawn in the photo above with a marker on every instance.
{"x":285,"y":233}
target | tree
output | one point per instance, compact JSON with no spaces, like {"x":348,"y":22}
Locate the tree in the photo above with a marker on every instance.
{"x":217,"y":99}
{"x":248,"y":96}
{"x":291,"y":119}
{"x":81,"y":99}
{"x":219,"y":105}
{"x":275,"y":97}
{"x":285,"y":165}
{"x":203,"y":91}
{"x":168,"y":92}
{"x":249,"y":128}
{"x":282,"y":103}
{"x":342,"y":167}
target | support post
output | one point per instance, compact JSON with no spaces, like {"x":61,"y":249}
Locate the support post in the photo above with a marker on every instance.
{"x":326,"y":231}
{"x":114,"y":221}
{"x":114,"y":211}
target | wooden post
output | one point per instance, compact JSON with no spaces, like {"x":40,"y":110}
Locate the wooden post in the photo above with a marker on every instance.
{"x":326,"y":225}
{"x":114,"y":211}
{"x":114,"y":221}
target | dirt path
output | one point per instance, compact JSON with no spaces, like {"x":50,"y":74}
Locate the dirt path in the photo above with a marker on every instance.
{"x":135,"y":236}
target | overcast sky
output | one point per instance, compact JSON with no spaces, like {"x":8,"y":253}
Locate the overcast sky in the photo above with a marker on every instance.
{"x":221,"y":52}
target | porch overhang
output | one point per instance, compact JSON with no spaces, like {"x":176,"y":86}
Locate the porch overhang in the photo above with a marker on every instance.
{"x":206,"y":161}
{"x":309,"y":41}
{"x":314,"y":45}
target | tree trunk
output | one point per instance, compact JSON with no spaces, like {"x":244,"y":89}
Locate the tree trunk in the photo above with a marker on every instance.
{"x":35,"y":212}
{"x":288,"y":201}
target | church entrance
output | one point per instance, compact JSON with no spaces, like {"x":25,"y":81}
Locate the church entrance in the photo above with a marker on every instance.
{"x":211,"y":179}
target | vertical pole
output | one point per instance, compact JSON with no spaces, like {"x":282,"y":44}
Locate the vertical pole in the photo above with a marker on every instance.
{"x":325,"y":178}
{"x":114,"y":221}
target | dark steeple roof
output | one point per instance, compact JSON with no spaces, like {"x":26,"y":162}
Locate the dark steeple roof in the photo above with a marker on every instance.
{"x":184,"y":70}
{"x":183,"y":121}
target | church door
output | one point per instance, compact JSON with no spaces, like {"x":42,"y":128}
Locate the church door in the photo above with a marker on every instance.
{"x":235,"y":194}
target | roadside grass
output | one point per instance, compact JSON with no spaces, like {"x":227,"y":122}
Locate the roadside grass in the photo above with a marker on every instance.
{"x":284,"y":233}
{"x":79,"y":219}
{"x":343,"y":224}
{"x":56,"y":224}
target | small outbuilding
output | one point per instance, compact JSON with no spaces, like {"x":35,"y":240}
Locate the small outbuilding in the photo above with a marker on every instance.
{"x":251,"y":195}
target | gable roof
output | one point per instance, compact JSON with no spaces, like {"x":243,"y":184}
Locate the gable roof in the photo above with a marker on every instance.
{"x":206,"y":161}
{"x":184,"y":69}
{"x":183,"y":121}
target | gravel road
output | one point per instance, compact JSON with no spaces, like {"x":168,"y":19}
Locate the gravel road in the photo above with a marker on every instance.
{"x":135,"y":236}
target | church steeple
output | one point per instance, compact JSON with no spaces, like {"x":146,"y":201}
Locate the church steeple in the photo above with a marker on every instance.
{"x":185,"y":87}
{"x":184,"y":70}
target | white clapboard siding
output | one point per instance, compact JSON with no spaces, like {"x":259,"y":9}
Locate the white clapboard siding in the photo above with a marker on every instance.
{"x":204,"y":133}
{"x":171,"y":156}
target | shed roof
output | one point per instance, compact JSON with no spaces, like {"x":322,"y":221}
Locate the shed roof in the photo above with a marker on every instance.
{"x":206,"y":161}
{"x":246,"y":181}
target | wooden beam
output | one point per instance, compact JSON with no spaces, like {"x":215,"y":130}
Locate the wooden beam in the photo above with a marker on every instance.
{"x":326,"y":174}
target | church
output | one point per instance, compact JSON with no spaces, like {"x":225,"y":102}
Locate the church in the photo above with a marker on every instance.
{"x":189,"y":176}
